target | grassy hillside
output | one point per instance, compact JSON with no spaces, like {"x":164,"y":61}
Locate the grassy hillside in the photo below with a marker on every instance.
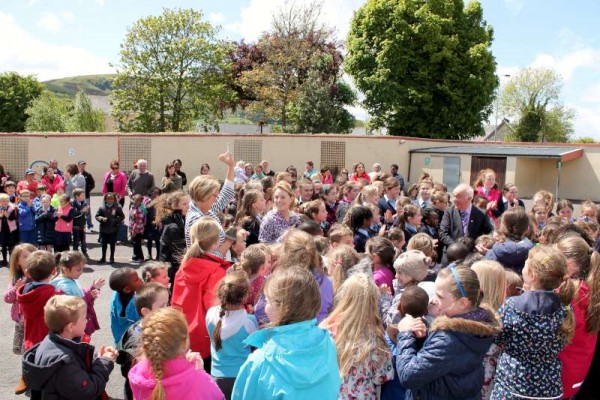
{"x":99,"y":85}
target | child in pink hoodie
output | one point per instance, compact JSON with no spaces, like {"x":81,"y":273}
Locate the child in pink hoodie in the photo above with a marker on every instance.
{"x":168,"y":370}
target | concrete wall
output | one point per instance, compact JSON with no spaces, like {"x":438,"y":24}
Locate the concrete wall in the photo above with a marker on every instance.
{"x":580,"y":178}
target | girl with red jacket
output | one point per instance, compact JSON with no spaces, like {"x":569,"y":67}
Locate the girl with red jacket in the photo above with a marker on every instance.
{"x":195,"y":282}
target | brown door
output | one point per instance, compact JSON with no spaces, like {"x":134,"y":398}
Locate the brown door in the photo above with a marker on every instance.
{"x":498,"y":164}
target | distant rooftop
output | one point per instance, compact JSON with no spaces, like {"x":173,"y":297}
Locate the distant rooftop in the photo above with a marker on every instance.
{"x":562,"y":153}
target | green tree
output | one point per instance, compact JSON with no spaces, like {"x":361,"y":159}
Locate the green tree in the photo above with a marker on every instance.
{"x":48,"y":113}
{"x":172,"y":70}
{"x":425,"y":66}
{"x":16,"y":94}
{"x":584,"y":139}
{"x":84,"y":117}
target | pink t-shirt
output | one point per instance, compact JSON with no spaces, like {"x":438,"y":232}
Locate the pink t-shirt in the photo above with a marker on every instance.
{"x":384,"y":276}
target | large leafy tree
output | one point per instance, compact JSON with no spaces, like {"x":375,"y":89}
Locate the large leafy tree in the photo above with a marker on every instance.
{"x":48,"y":113}
{"x":270,"y":75}
{"x":84,"y":118}
{"x":16,"y":94}
{"x":532,"y":96}
{"x":172,"y":70}
{"x":425,"y":66}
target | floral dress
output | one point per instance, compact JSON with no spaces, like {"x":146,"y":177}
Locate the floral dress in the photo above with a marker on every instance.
{"x":362,"y":380}
{"x":528,"y":367}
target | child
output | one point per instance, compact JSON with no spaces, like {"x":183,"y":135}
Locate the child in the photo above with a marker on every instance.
{"x":396,"y":235}
{"x":250,"y":214}
{"x":409,"y":220}
{"x":430,"y":226}
{"x":149,"y":297}
{"x":26,"y":218}
{"x":124,"y":281}
{"x":229,"y":325}
{"x":62,"y":366}
{"x":32,"y":298}
{"x":55,"y":200}
{"x":152,"y":229}
{"x":167,"y":370}
{"x":82,"y":209}
{"x":8,"y":226}
{"x":156,"y":271}
{"x":196,"y":280}
{"x":514,"y":283}
{"x":137,"y":224}
{"x":71,"y":264}
{"x":18,"y":263}
{"x":256,"y":262}
{"x":40,"y":191}
{"x":110,"y":215}
{"x":459,"y":338}
{"x":45,"y":219}
{"x":339,"y":261}
{"x":588,"y":211}
{"x":425,"y":190}
{"x":64,"y":224}
{"x":364,"y":359}
{"x":564,"y":208}
{"x":293,"y":301}
{"x":360,"y":219}
{"x":10,"y":188}
{"x":536,"y":327}
{"x":340,"y":234}
{"x":511,"y":247}
{"x":382,"y":253}
{"x":540,"y":213}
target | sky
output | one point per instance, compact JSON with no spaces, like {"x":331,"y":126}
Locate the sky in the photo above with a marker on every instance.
{"x":60,"y":38}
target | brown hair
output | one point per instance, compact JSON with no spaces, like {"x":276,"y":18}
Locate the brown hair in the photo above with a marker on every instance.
{"x":514,"y":224}
{"x":550,"y":269}
{"x":62,"y":310}
{"x":564,"y":203}
{"x":230,"y":291}
{"x":469,"y":282}
{"x":311,"y":208}
{"x":295,"y":293}
{"x":426,"y":178}
{"x":546,"y":196}
{"x":339,"y":261}
{"x":338,"y":231}
{"x":481,"y":176}
{"x":284,"y":186}
{"x":72,"y":169}
{"x":384,"y":248}
{"x":69,"y":259}
{"x":422,"y":242}
{"x":576,"y":249}
{"x":204,"y":233}
{"x":253,"y":258}
{"x":40,"y":265}
{"x":164,"y":335}
{"x":514,"y":283}
{"x":152,"y":269}
{"x":15,"y":271}
{"x":245,"y":210}
{"x":146,"y":295}
{"x":299,"y":250}
{"x":408,"y":211}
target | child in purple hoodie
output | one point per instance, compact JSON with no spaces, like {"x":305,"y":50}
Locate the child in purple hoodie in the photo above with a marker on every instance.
{"x":168,"y":370}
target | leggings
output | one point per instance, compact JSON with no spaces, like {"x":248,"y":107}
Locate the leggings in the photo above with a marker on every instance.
{"x":109,"y":239}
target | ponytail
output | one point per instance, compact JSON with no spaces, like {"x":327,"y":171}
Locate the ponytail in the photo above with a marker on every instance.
{"x":217,"y":331}
{"x":566,"y":292}
{"x":592,"y":324}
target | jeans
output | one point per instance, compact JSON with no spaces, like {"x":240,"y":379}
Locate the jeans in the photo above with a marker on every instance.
{"x":88,"y":217}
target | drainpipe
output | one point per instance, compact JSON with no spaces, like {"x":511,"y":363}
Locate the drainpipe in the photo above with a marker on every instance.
{"x":559,"y":166}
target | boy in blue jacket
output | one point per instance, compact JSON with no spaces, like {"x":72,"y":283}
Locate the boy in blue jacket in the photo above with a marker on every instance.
{"x":27,"y":232}
{"x":124,"y":281}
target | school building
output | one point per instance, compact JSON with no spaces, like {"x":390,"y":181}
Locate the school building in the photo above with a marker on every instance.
{"x":570,"y":170}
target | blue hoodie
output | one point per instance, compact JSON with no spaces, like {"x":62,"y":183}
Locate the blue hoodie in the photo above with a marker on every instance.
{"x":296,"y":361}
{"x":121,"y":319}
{"x":26,"y":216}
{"x":510,"y":254}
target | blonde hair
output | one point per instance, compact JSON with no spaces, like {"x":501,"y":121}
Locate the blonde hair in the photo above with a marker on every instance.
{"x":343,"y":257}
{"x":294,"y":292}
{"x":492,"y":281}
{"x":546,"y":197}
{"x":299,"y":249}
{"x":152,"y":270}
{"x":15,"y":271}
{"x":338,"y":232}
{"x":164,"y":336}
{"x":514,"y":283}
{"x":367,"y":191}
{"x":62,"y":310}
{"x":549,"y":266}
{"x":231,"y":291}
{"x":253,"y":258}
{"x":356,"y":324}
{"x":284,"y":186}
{"x":202,"y":187}
{"x":204,"y":233}
{"x":422,"y":242}
{"x":576,"y":249}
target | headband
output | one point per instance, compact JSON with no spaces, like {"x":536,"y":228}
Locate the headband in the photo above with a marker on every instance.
{"x":457,"y":280}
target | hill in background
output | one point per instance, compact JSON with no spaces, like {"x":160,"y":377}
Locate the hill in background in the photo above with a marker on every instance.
{"x":96,"y":85}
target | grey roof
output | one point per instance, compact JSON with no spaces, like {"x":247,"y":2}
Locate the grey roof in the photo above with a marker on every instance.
{"x":504,"y":151}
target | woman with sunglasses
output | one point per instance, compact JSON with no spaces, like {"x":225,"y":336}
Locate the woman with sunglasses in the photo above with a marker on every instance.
{"x":115,"y":181}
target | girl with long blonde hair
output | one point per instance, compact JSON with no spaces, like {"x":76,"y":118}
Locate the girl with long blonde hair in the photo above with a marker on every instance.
{"x":167,"y":370}
{"x":364,"y":357}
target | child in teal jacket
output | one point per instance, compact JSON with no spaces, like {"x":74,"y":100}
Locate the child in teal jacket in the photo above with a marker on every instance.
{"x":295,"y":358}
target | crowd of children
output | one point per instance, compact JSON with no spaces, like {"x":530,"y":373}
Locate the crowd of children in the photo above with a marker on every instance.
{"x":313,"y":288}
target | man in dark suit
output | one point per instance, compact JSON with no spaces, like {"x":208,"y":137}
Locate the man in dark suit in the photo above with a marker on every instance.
{"x":462,"y":218}
{"x":509,"y":199}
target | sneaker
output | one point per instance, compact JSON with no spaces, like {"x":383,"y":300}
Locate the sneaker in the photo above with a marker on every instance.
{"x":3,"y":263}
{"x":102,"y":261}
{"x":112,"y":260}
{"x":21,"y":386}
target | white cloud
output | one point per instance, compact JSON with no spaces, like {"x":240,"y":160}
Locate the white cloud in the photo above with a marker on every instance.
{"x":587,"y":122}
{"x":216,"y":18}
{"x":101,"y":2}
{"x":29,"y":55}
{"x":591,"y":94}
{"x":50,"y":22}
{"x":67,"y":16}
{"x":566,"y":64}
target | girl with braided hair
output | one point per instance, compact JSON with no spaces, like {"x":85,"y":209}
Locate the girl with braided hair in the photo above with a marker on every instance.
{"x":229,"y":325}
{"x":168,"y":370}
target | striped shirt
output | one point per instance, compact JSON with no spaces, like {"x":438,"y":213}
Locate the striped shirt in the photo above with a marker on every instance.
{"x":226,"y":194}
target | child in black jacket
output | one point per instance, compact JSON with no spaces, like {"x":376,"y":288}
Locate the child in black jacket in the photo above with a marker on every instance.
{"x":110,"y":215}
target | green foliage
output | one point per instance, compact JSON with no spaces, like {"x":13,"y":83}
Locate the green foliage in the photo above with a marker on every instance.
{"x":584,"y":139}
{"x":533,"y":95}
{"x":84,"y":118}
{"x":172,"y":70}
{"x":16,"y":95}
{"x":99,"y":85}
{"x":424,"y":66}
{"x":48,"y":113}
